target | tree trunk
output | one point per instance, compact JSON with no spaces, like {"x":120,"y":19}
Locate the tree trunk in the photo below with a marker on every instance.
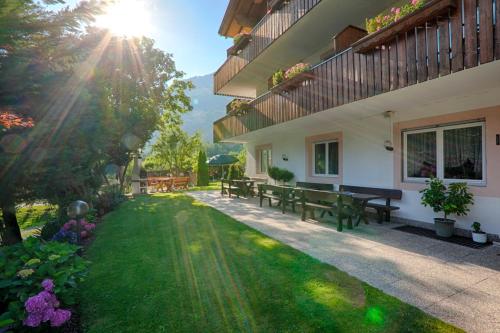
{"x":122,"y":176}
{"x":11,"y":232}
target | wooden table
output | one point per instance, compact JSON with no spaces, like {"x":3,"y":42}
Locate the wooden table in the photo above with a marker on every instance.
{"x":246,"y":187}
{"x":361,"y":200}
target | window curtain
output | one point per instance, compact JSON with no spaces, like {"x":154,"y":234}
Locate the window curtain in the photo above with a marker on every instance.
{"x":463,"y":153}
{"x":421,"y":155}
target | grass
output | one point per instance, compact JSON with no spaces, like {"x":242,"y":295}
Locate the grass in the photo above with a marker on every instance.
{"x":32,"y":217}
{"x":167,"y":263}
{"x":213,"y":186}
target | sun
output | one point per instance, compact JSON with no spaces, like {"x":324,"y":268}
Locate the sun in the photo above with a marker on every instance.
{"x":128,"y":18}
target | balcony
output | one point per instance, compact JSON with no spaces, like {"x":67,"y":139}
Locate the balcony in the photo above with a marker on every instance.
{"x":272,"y":26}
{"x":426,"y":46}
{"x":299,"y":31}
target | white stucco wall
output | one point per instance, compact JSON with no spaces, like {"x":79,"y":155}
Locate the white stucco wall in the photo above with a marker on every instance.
{"x":365,"y":163}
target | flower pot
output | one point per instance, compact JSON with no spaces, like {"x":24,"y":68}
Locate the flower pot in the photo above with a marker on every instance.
{"x":479,"y":237}
{"x":444,"y":227}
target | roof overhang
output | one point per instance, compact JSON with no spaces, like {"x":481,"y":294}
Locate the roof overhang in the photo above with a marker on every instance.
{"x":241,"y":16}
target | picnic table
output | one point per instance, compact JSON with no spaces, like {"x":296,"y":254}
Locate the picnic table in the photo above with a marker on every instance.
{"x":245,"y":186}
{"x":361,"y":200}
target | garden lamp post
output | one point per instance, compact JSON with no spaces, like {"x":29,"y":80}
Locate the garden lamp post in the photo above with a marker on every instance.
{"x":77,"y":210}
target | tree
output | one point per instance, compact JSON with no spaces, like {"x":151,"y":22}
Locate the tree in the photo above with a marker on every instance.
{"x":203,"y":178}
{"x":93,"y":100}
{"x":174,"y":150}
{"x":38,"y":49}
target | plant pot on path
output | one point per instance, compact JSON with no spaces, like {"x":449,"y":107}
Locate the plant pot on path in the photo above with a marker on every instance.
{"x":444,"y":227}
{"x":480,"y":237}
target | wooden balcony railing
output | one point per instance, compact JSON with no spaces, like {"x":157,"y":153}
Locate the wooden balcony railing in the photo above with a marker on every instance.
{"x":263,"y":34}
{"x":465,"y":36}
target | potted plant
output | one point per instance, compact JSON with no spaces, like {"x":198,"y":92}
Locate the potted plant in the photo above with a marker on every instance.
{"x":478,"y":235}
{"x":454,"y":199}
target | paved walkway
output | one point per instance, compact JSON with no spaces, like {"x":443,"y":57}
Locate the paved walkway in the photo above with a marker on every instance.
{"x":457,"y":284}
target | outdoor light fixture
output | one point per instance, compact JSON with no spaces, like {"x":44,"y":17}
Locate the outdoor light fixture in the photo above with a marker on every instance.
{"x":285,"y":157}
{"x":389,"y":146}
{"x":77,"y":210}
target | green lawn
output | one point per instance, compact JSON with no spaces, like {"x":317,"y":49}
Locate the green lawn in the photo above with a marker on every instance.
{"x":167,"y":263}
{"x":34,"y":216}
{"x":213,"y":186}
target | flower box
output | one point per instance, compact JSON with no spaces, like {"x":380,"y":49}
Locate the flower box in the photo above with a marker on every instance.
{"x":429,"y":11}
{"x":293,"y":83}
{"x":240,"y":43}
{"x":238,"y":107}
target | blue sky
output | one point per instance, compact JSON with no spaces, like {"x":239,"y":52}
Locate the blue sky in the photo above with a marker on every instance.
{"x":189,"y":30}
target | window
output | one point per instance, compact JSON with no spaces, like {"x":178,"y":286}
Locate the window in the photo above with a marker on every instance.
{"x":453,"y":153}
{"x":265,"y":160}
{"x":326,"y":159}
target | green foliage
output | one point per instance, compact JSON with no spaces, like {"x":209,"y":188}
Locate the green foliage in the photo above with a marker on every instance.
{"x":175,"y":150}
{"x":35,"y":215}
{"x":476,"y":226}
{"x":238,"y":37}
{"x":454,"y":199}
{"x":278,"y":77}
{"x":279,"y":174}
{"x":234,"y":172}
{"x":95,"y":99}
{"x":202,"y":171}
{"x":24,"y":266}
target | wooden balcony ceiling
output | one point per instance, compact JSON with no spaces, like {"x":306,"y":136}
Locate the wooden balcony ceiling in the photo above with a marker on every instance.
{"x":241,"y":16}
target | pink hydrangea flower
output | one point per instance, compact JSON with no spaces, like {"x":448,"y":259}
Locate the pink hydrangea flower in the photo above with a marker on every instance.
{"x":48,"y":285}
{"x":60,"y":317}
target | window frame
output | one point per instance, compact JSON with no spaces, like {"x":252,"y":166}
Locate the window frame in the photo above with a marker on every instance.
{"x":439,"y":130}
{"x":327,"y":162}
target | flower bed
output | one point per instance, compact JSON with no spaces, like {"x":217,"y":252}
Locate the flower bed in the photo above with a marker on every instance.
{"x":38,"y":283}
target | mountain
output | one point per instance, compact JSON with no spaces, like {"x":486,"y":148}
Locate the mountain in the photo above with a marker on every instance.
{"x":207,"y":107}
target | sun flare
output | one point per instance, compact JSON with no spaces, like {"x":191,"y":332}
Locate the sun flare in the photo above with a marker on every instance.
{"x":129,"y":18}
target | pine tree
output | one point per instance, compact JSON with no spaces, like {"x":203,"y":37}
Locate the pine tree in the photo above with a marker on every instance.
{"x":202,"y":169}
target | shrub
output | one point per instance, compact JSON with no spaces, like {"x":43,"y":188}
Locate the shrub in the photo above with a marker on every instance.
{"x":202,"y":172}
{"x":454,"y":199}
{"x":235,"y":172}
{"x":278,"y":174}
{"x":108,"y":199}
{"x":396,"y":13}
{"x":51,"y":228}
{"x":23,"y":268}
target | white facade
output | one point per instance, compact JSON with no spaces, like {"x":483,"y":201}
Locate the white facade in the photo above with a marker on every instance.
{"x":363,"y":129}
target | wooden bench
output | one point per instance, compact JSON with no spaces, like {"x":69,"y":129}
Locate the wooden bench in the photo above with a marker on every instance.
{"x":326,"y":201}
{"x":228,"y":187}
{"x":181,"y":183}
{"x":387,"y":194}
{"x":283,"y":194}
{"x":316,"y":186}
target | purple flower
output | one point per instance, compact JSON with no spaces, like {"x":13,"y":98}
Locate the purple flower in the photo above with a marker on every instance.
{"x":60,"y":317}
{"x":36,"y":304}
{"x":33,"y":320}
{"x":48,"y":285}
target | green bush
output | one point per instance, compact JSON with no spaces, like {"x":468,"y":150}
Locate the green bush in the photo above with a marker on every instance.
{"x":279,"y":174}
{"x":24,"y":266}
{"x":235,"y":172}
{"x":202,"y":178}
